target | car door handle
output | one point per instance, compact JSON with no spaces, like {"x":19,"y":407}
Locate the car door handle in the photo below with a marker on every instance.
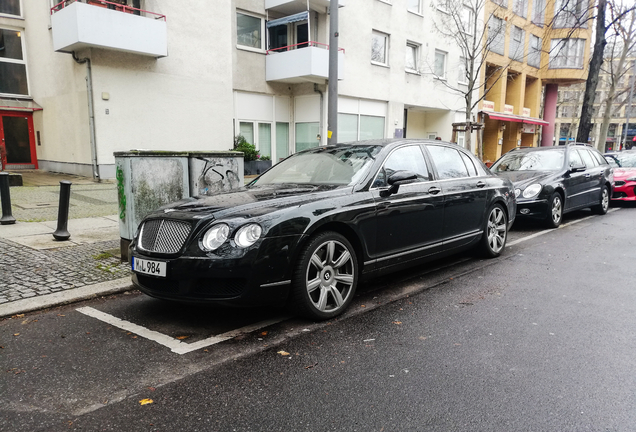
{"x":481,"y":184}
{"x":434,"y":190}
{"x":587,"y":175}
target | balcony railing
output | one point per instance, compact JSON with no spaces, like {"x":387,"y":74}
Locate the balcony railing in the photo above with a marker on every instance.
{"x":109,"y":25}
{"x":303,"y":62}
{"x":109,"y":5}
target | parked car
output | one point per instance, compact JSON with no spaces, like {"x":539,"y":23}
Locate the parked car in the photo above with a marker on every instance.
{"x":308,"y":229}
{"x":624,"y":175}
{"x":551,"y":181}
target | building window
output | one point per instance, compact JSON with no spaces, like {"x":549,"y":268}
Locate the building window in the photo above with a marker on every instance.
{"x":379,"y":48}
{"x":412,"y":57}
{"x":440,"y":64}
{"x":462,"y":71}
{"x":534,"y":56}
{"x":282,"y":140}
{"x":502,"y":3}
{"x":249,"y":31}
{"x":566,"y":53}
{"x":307,"y":135}
{"x":516,"y":43}
{"x":13,"y":71}
{"x":10,"y":7}
{"x":354,"y":127}
{"x":496,"y":35}
{"x":538,"y":12}
{"x":467,"y":20}
{"x":520,"y":7}
{"x":570,"y":13}
{"x":414,"y":6}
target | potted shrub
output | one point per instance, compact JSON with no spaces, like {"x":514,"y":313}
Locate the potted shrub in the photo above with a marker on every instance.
{"x":253,"y":162}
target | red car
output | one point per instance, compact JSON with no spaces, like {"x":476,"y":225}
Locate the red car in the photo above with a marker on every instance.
{"x":624,"y":164}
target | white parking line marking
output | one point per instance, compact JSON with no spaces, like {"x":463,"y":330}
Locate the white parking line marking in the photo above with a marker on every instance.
{"x":522,"y":239}
{"x":175,"y":345}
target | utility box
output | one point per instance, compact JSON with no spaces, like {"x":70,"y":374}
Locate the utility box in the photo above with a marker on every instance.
{"x":147,"y":180}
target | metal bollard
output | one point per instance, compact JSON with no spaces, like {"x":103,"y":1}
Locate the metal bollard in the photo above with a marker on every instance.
{"x":5,"y":196}
{"x":61,"y":233}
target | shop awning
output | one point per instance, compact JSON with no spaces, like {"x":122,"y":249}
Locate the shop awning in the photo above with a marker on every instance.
{"x":9,"y":104}
{"x":302,"y":16}
{"x":515,"y":118}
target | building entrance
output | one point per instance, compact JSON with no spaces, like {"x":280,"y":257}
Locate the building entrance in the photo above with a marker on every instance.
{"x":17,"y":141}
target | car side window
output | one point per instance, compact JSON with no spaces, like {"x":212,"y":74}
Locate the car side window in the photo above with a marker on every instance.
{"x":409,"y":158}
{"x":575,"y":159}
{"x":448,"y":162}
{"x":599,"y":157}
{"x":587,"y":158}
{"x":470,"y":165}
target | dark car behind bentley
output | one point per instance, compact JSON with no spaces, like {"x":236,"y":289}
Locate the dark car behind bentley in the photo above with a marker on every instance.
{"x":307,"y":230}
{"x":551,"y":181}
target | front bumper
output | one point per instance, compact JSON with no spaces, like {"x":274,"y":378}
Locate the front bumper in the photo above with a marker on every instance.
{"x":261,"y":276}
{"x":625,"y":192}
{"x":535,"y":209}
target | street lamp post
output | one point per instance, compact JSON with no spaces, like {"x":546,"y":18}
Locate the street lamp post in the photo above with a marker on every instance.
{"x":332,"y":108}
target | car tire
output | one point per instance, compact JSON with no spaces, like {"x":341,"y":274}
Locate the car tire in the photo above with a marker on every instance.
{"x":493,"y":240}
{"x":603,"y":205}
{"x":555,"y":211}
{"x":325,"y":278}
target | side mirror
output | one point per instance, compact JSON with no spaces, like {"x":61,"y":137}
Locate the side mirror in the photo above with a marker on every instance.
{"x":577,"y":168}
{"x":398,"y":178}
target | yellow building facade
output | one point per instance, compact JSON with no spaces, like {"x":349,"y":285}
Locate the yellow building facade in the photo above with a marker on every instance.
{"x":532,"y":48}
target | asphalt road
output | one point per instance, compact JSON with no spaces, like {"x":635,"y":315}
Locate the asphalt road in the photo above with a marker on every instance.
{"x":540,"y":339}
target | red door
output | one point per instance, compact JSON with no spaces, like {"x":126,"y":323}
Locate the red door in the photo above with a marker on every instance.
{"x":17,"y":140}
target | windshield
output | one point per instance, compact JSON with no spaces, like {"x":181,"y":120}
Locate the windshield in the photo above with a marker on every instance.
{"x":550,"y":160}
{"x":626,"y":160}
{"x":341,"y":165}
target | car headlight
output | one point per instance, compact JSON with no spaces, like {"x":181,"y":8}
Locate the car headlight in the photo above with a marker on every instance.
{"x":532,"y":190}
{"x":631,"y":179}
{"x":247,"y":235}
{"x":215,"y":237}
{"x":517,"y":193}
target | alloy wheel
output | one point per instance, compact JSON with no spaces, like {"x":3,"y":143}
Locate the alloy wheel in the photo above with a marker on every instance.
{"x":497,"y":230}
{"x":330,"y":276}
{"x":557,"y":210}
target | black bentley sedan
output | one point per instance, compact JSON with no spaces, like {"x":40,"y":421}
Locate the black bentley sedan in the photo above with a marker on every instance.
{"x":307,"y":230}
{"x":551,"y":181}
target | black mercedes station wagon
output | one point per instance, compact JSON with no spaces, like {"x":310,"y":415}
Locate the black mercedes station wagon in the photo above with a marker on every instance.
{"x":551,"y":181}
{"x":305,"y":232}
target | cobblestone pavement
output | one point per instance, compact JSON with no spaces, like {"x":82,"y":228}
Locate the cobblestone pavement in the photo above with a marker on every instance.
{"x":26,"y":272}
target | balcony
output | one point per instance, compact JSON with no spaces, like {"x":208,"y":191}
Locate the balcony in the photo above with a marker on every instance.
{"x":108,"y":25}
{"x":288,"y":7}
{"x":306,"y":62}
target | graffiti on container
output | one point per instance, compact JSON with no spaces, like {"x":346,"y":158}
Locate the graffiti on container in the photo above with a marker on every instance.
{"x":120,"y":193}
{"x":216,"y":175}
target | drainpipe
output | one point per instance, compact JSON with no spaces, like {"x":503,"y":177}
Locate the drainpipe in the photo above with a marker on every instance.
{"x":91,"y":114}
{"x":317,"y":90}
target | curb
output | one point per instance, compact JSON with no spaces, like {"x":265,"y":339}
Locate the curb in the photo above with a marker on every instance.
{"x":65,"y":297}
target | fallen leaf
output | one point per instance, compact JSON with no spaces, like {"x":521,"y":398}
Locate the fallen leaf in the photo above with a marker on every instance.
{"x":264,"y":333}
{"x":283,"y":353}
{"x":152,"y":388}
{"x":310,"y":366}
{"x":362,"y":306}
{"x":146,"y":401}
{"x":60,"y":315}
{"x":16,"y":334}
{"x":19,"y":316}
{"x":182,"y":337}
{"x":397,"y":322}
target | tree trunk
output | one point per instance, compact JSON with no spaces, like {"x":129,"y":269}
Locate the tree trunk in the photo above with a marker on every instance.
{"x":585,"y":124}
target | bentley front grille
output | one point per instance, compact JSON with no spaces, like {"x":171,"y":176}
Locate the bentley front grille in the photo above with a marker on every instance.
{"x":163,"y":235}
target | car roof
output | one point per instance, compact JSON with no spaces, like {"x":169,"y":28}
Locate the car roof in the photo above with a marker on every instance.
{"x":389,"y":141}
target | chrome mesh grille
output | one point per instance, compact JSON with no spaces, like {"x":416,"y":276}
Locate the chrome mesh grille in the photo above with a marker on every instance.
{"x":164,"y":235}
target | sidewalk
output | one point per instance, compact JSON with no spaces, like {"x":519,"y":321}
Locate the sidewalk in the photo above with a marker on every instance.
{"x":36,"y":271}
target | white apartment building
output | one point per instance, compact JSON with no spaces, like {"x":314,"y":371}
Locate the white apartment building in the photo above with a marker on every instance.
{"x":80,"y":80}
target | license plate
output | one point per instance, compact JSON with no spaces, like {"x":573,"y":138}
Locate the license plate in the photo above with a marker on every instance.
{"x":155,"y":268}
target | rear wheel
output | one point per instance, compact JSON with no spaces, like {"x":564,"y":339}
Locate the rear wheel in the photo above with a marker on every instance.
{"x":603,"y":205}
{"x":495,"y":233}
{"x":555,"y":211}
{"x":325,"y":277}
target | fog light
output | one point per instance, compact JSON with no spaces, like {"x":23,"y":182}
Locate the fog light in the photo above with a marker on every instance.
{"x":525,"y":211}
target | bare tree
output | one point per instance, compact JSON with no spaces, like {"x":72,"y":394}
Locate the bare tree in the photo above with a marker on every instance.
{"x":622,"y":43}
{"x":462,"y":21}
